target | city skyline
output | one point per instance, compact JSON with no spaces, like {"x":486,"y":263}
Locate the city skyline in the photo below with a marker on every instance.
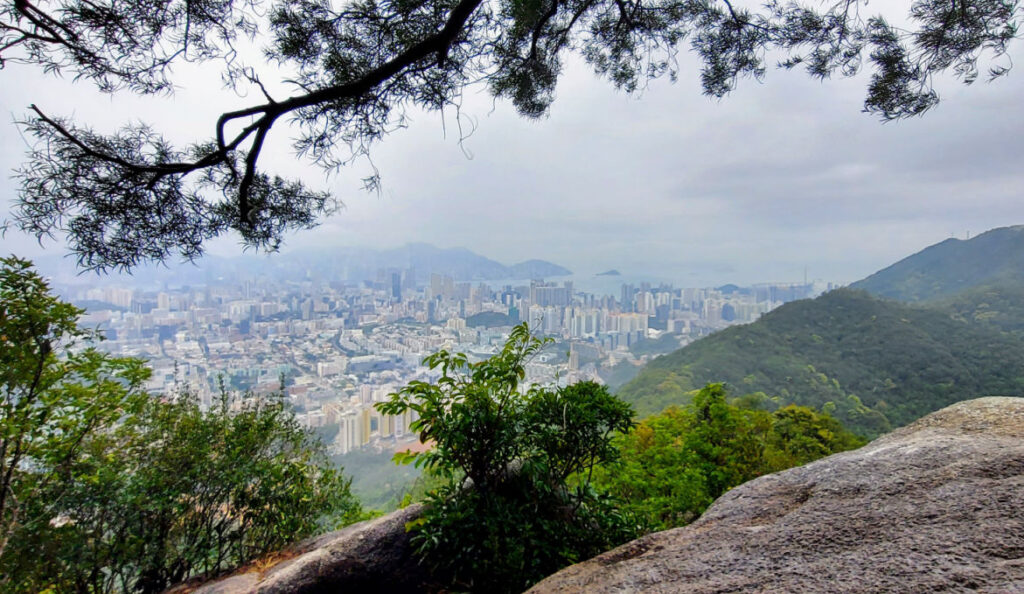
{"x":337,"y":348}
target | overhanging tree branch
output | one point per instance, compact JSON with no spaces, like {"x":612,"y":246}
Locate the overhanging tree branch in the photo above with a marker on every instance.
{"x":124,"y":198}
{"x":272,"y":110}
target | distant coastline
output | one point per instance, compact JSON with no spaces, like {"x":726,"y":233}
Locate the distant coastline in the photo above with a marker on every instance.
{"x":611,"y":272}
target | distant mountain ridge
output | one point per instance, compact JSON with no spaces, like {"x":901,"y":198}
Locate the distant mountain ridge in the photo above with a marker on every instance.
{"x":351,"y":264}
{"x":995,"y":257}
{"x":459,"y":263}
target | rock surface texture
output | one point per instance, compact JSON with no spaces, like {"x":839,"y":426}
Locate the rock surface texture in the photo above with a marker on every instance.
{"x":369,"y":557}
{"x":937,"y":506}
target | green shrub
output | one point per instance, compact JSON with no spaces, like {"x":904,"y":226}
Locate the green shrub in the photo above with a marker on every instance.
{"x":177,"y":491}
{"x":57,"y":392}
{"x":675,"y":464}
{"x":515,"y":502}
{"x":108,"y":489}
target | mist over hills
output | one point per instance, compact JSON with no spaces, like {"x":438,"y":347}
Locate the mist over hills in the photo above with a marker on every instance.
{"x":351,"y":264}
{"x":875,"y":363}
{"x":459,"y":263}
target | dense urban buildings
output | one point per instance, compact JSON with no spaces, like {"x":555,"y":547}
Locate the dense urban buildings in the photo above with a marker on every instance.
{"x":337,"y":348}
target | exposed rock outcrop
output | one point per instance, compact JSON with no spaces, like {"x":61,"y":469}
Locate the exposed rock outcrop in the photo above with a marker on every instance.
{"x":369,"y":557}
{"x":937,"y":506}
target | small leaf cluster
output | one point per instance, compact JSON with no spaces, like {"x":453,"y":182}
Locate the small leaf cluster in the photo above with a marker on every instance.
{"x":515,"y":501}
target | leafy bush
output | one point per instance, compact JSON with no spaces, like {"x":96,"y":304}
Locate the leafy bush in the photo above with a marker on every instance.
{"x":56,"y":392}
{"x":119,"y":491}
{"x":176,"y":491}
{"x":515,"y":502}
{"x":675,"y":464}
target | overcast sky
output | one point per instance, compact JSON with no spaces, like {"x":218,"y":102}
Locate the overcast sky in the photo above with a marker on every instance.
{"x":780,"y":176}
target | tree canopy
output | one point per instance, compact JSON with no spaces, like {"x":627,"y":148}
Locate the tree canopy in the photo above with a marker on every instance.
{"x":358,"y":66}
{"x":56,"y":390}
{"x":105,"y":488}
{"x":677,"y":462}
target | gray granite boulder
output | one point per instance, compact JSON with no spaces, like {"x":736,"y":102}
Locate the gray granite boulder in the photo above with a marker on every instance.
{"x":369,"y":557}
{"x":937,"y":506}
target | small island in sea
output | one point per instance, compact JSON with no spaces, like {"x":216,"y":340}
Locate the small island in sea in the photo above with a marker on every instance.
{"x":611,"y":272}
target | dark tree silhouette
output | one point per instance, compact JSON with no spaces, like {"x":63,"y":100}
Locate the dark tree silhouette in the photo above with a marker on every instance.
{"x":357,"y":67}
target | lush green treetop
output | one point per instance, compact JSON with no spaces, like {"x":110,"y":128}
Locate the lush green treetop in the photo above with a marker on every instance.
{"x":677,"y":462}
{"x":357,"y":67}
{"x":514,"y":462}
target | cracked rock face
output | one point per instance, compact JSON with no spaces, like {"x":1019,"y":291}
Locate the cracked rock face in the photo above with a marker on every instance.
{"x":937,"y":506}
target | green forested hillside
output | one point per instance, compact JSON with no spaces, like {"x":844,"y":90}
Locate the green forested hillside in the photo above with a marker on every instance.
{"x":874,"y":364}
{"x":945,"y":269}
{"x":997,"y":306}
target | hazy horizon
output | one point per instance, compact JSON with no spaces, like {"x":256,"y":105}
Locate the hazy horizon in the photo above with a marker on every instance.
{"x":62,"y":268}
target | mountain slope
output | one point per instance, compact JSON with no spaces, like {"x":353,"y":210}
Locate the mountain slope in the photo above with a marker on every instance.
{"x":874,"y":363}
{"x":953,"y":266}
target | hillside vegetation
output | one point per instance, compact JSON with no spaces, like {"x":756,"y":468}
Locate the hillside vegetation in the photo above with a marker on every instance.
{"x":674,"y":464}
{"x":488,"y":319}
{"x":874,"y":364}
{"x":1000,"y":307}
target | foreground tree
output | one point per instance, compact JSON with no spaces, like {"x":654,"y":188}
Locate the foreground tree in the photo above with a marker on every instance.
{"x":515,"y":502}
{"x":57,"y":391}
{"x":104,"y":488}
{"x":177,"y":491}
{"x":358,"y":66}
